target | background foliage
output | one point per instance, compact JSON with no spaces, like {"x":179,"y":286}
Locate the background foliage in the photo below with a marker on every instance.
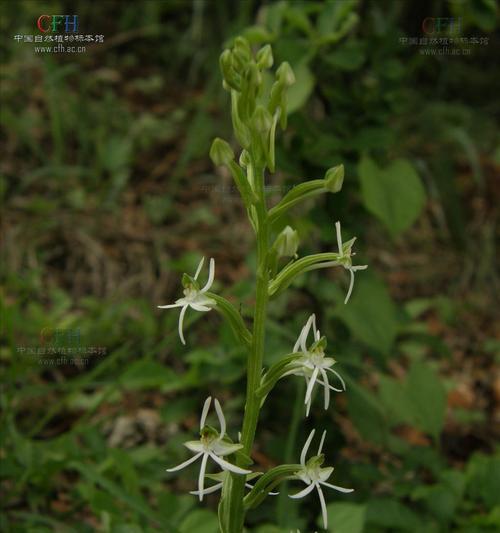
{"x":109,"y":196}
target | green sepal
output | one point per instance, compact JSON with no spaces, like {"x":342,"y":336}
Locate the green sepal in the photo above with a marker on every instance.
{"x":245,"y":189}
{"x":188,"y":281}
{"x":264,"y":57}
{"x":334,"y":178}
{"x":221,"y":152}
{"x":229,"y":312}
{"x":240,"y":129}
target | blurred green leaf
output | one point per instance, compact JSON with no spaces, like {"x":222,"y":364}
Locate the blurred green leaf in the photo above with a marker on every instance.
{"x":371,"y":314}
{"x":483,"y":478}
{"x":390,"y":514}
{"x":428,"y":398}
{"x":300,"y":91}
{"x":345,"y":517}
{"x":394,"y":194}
{"x":200,"y":521}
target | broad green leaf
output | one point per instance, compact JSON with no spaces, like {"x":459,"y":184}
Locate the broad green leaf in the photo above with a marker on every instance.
{"x":371,"y":314}
{"x":389,"y":513}
{"x":443,"y":498}
{"x":483,"y":479}
{"x":394,"y":194}
{"x":428,"y":398}
{"x":200,"y":521}
{"x":366,"y":412}
{"x":345,"y":517}
{"x":394,"y":396}
{"x":145,"y":374}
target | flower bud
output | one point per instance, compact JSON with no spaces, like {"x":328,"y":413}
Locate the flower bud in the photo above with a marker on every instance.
{"x":244,"y":158}
{"x":265,"y":57}
{"x":285,"y":74}
{"x":287,"y":243}
{"x":220,"y":152}
{"x":231,"y":78}
{"x":242,"y":51}
{"x":262,"y":119}
{"x":334,"y":178}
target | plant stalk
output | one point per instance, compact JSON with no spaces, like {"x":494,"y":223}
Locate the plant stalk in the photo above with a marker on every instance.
{"x":236,"y":488}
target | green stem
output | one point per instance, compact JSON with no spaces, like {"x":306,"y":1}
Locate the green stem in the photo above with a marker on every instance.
{"x":235,"y":492}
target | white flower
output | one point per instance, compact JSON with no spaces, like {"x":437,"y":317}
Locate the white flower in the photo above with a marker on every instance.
{"x":314,"y":364}
{"x":194,"y":297}
{"x":345,"y":255}
{"x":213,"y":445}
{"x":314,"y":476}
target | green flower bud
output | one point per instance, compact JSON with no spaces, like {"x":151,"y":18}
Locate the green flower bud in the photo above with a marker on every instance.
{"x":265,"y":57}
{"x":285,"y":74}
{"x":287,"y":243}
{"x":244,"y":159}
{"x":220,"y":152}
{"x":262,"y":119}
{"x":242,"y":51}
{"x":334,"y":178}
{"x":231,"y":78}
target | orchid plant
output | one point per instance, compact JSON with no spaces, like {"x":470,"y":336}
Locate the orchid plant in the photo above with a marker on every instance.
{"x":256,"y":113}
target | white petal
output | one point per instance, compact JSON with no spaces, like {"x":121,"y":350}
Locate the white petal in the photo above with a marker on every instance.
{"x":339,"y":237}
{"x":200,"y":308}
{"x":325,"y":473}
{"x":316,"y":334}
{"x":195,"y":446}
{"x":185,"y":463}
{"x":338,"y":375}
{"x":204,"y":412}
{"x":359,"y":267}
{"x":323,"y":506}
{"x":351,"y":285}
{"x":335,"y":487}
{"x":220,"y":416}
{"x":302,"y":493}
{"x":209,"y":490}
{"x":329,"y":386}
{"x":228,"y":466}
{"x":310,"y":387}
{"x":170,"y":306}
{"x":303,"y":453}
{"x":181,"y":322}
{"x":305,"y":333}
{"x":308,"y":408}
{"x":322,"y":442}
{"x":201,"y":476}
{"x":222,"y":448}
{"x":198,"y":270}
{"x":326,"y":389}
{"x":211,"y":275}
